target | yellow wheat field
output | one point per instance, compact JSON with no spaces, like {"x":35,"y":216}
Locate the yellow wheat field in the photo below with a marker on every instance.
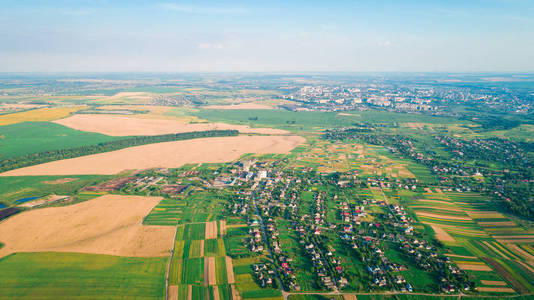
{"x":38,"y":115}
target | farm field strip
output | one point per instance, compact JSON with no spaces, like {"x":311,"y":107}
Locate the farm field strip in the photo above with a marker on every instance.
{"x":216,"y":293}
{"x":53,"y":275}
{"x":442,"y":217}
{"x":110,"y":224}
{"x":173,"y":292}
{"x":229,"y":270}
{"x":222,"y":227}
{"x":211,"y":230}
{"x":495,"y":289}
{"x":513,"y":279}
{"x":473,"y":267}
{"x":39,"y":115}
{"x":115,"y":125}
{"x":441,"y":234}
{"x":484,"y":233}
{"x":524,"y":254}
{"x":493,"y":282}
{"x":201,"y":150}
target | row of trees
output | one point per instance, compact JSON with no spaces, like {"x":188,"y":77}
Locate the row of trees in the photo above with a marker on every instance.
{"x":47,"y":156}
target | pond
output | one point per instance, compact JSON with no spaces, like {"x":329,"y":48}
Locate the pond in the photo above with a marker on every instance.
{"x":22,"y":200}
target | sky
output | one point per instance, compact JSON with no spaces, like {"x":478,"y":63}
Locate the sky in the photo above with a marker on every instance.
{"x":267,"y":36}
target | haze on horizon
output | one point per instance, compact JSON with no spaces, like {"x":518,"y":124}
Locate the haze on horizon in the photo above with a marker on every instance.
{"x":211,"y":36}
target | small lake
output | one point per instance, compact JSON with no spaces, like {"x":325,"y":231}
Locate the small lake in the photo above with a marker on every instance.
{"x":22,"y":200}
{"x":2,"y":205}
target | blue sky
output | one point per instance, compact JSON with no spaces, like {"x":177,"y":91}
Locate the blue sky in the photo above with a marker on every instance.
{"x":183,"y":36}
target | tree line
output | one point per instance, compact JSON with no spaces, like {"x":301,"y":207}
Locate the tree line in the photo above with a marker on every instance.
{"x":47,"y":156}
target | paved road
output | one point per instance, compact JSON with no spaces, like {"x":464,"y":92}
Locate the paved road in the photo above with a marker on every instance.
{"x":265,"y":239}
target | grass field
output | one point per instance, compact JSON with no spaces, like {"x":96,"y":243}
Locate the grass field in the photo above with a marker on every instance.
{"x":81,"y":276}
{"x":310,"y":121}
{"x":13,"y":188}
{"x":37,"y":115}
{"x":33,"y":137}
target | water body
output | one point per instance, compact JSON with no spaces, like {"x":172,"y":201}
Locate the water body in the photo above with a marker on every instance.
{"x":22,"y":200}
{"x":2,"y":205}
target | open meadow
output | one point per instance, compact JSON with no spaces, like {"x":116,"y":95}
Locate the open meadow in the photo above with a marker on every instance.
{"x":33,"y":137}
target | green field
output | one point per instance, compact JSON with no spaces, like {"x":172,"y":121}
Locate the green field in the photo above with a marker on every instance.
{"x":33,"y":137}
{"x":17,"y":187}
{"x":81,"y":276}
{"x":296,"y":121}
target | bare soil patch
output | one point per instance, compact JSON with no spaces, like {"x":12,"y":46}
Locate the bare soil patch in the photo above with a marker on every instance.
{"x":446,"y":208}
{"x":517,"y":241}
{"x":173,"y":292}
{"x":216,"y":293}
{"x":444,"y":217}
{"x":236,"y":225}
{"x":527,"y":236}
{"x":497,"y":224}
{"x":109,"y":186}
{"x":235,"y":293}
{"x":115,"y":125}
{"x":495,"y":289}
{"x":172,"y":189}
{"x":135,"y":95}
{"x":222,"y":227}
{"x":521,"y":252}
{"x":211,"y":230}
{"x":154,"y":109}
{"x":248,"y":105}
{"x":349,"y":297}
{"x":414,"y":125}
{"x":474,"y":267}
{"x":189,"y":292}
{"x":485,"y":214}
{"x":230,"y":270}
{"x":46,"y":200}
{"x":110,"y":224}
{"x":441,"y":234}
{"x":164,"y":155}
{"x":60,"y":181}
{"x":210,"y":276}
{"x":493,"y":282}
{"x":201,"y":251}
{"x":461,"y":256}
{"x":436,"y":201}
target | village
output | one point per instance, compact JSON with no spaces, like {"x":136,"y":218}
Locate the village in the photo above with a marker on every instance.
{"x":267,"y":195}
